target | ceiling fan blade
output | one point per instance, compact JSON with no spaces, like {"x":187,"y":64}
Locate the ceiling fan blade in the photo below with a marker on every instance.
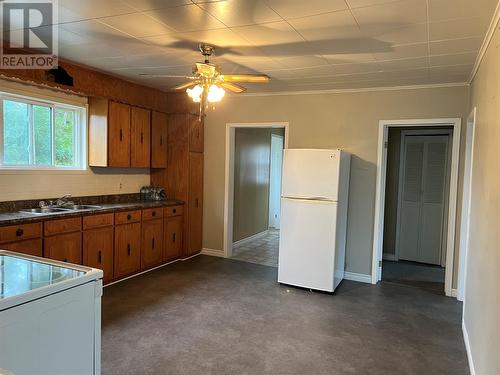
{"x":164,"y":76}
{"x":206,"y":69}
{"x":233,"y":87}
{"x":252,"y":78}
{"x":184,"y":86}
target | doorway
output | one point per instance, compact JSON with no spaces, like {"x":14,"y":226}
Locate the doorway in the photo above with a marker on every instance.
{"x":449,"y":202}
{"x":254,"y":158}
{"x":415,"y":221}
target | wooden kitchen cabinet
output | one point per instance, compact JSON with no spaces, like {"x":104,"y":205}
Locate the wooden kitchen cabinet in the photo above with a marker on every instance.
{"x":158,"y":140}
{"x":64,"y":247}
{"x":98,"y":244}
{"x":140,"y":138}
{"x":30,"y":247}
{"x":195,"y":204}
{"x":127,"y":256}
{"x":173,"y":229}
{"x":152,"y":243}
{"x":118,"y":135}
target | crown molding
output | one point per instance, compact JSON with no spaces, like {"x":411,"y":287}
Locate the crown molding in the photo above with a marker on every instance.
{"x":367,"y":89}
{"x":486,"y":42}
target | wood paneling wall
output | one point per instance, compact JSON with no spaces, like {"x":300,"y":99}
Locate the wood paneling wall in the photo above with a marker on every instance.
{"x":90,"y":82}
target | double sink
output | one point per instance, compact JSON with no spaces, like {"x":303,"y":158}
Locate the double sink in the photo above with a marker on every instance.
{"x":54,"y":210}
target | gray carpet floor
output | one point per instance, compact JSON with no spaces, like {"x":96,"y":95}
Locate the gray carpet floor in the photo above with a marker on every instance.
{"x":210,"y":315}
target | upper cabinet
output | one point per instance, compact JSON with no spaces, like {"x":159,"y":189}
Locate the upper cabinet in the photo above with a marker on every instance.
{"x":158,"y":140}
{"x":140,"y":135}
{"x":121,"y":135}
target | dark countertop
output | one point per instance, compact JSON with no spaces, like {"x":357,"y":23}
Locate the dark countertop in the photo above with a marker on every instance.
{"x":8,"y":218}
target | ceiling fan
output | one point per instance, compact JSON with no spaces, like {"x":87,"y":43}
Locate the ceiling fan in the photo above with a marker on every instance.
{"x":208,"y":84}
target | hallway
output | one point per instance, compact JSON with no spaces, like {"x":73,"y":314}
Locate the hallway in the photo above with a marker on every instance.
{"x":263,"y":250}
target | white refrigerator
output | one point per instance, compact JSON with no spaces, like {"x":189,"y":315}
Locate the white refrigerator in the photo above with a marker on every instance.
{"x":314,"y":201}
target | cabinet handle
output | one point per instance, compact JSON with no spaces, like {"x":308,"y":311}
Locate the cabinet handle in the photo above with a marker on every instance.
{"x":153,"y":213}
{"x":197,"y":132}
{"x":99,"y":257}
{"x":65,"y":260}
{"x":129,"y":217}
{"x":153,"y":243}
{"x":128,"y":249}
{"x":196,"y":202}
{"x":174,"y":210}
{"x":142,"y":137}
{"x":121,"y":135}
{"x":161,"y":140}
{"x":173,"y":238}
{"x":19,"y":232}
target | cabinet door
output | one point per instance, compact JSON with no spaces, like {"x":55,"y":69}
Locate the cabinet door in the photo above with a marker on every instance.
{"x":65,"y":247}
{"x":127,"y":249}
{"x":98,"y":250}
{"x":195,"y":134}
{"x":118,"y":135}
{"x":140,"y":136}
{"x":195,"y":203}
{"x":159,"y":140}
{"x":30,"y":247}
{"x":173,"y":238}
{"x":152,"y":243}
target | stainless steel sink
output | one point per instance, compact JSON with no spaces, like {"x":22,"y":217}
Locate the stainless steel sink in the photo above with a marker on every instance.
{"x":43,"y":210}
{"x":81,"y":207}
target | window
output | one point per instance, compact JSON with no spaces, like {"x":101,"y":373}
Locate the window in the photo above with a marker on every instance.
{"x":41,"y":135}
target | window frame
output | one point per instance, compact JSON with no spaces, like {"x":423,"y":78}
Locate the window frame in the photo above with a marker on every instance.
{"x":79,"y":134}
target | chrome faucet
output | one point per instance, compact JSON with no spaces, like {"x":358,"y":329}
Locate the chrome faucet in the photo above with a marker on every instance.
{"x":60,"y":202}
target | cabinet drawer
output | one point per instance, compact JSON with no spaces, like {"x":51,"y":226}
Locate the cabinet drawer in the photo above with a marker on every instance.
{"x":127,"y":217}
{"x":174,"y":211}
{"x":52,"y":227}
{"x":152,"y":213}
{"x":20,"y":232}
{"x":97,"y":221}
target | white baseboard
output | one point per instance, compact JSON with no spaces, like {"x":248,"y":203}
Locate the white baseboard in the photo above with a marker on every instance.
{"x":454,"y":293}
{"x":388,"y":256}
{"x":360,"y":277}
{"x":467,"y":349}
{"x":256,"y":236}
{"x":213,"y":252}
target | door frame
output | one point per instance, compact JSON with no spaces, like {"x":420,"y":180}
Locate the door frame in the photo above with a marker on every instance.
{"x":378,"y":228}
{"x":271,"y":169}
{"x":466,"y":204}
{"x":229,"y":174}
{"x":426,"y":132}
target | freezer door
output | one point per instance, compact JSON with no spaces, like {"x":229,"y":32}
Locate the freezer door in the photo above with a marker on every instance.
{"x":307,"y":243}
{"x":311,"y":173}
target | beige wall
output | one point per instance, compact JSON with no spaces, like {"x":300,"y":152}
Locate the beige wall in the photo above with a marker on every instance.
{"x":44,"y":184}
{"x":346,"y":120}
{"x":252,"y":149}
{"x":482,"y":299}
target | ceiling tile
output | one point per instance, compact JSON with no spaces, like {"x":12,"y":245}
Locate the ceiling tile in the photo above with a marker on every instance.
{"x":404,"y":64}
{"x":93,"y":31}
{"x":186,"y":18}
{"x":302,"y":62}
{"x":397,"y":13}
{"x":455,"y":46}
{"x":366,"y":3}
{"x":356,"y":68}
{"x":456,"y":59}
{"x":407,"y":34}
{"x":407,"y":73}
{"x":440,"y":10}
{"x":241,"y":12}
{"x":403,"y":51}
{"x":136,"y":24}
{"x":269,"y":34}
{"x":95,"y":8}
{"x":328,"y":26}
{"x":461,"y":28}
{"x":451,"y":69}
{"x":155,"y":4}
{"x":300,"y":8}
{"x":349,"y":58}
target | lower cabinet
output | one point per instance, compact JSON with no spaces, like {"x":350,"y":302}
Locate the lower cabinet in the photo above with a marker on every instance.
{"x":127,"y":249}
{"x":173,"y":227}
{"x":65,"y":247}
{"x":30,"y":247}
{"x":152,"y":243}
{"x":98,"y":250}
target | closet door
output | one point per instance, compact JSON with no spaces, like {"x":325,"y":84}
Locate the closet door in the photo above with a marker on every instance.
{"x":423,"y":195}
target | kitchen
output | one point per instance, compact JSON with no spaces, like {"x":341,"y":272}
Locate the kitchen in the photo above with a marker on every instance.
{"x":116,"y":188}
